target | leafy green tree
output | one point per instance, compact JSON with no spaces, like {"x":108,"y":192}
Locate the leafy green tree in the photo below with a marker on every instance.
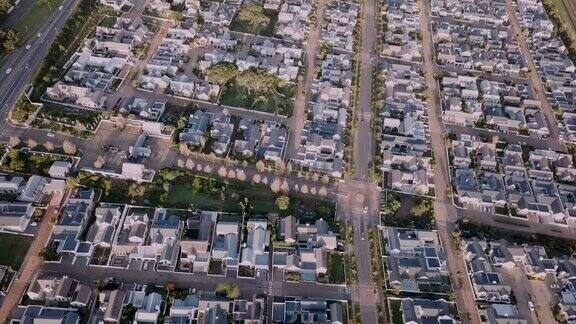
{"x":283,"y":202}
{"x":221,"y":73}
{"x":49,"y":254}
{"x":9,"y":40}
{"x":228,"y":289}
{"x":197,"y":185}
{"x":4,"y":6}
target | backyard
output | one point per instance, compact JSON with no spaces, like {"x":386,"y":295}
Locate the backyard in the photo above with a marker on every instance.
{"x":14,"y":248}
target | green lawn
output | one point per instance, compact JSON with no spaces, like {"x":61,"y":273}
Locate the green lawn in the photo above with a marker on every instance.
{"x":254,"y":19}
{"x":14,"y":248}
{"x":36,"y":16}
{"x":237,"y":96}
{"x":336,"y":268}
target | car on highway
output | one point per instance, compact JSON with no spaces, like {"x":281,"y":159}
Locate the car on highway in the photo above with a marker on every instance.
{"x":28,"y":46}
{"x":50,"y":135}
{"x":8,"y":70}
{"x":60,"y":8}
{"x":531,"y":305}
{"x":38,"y":35}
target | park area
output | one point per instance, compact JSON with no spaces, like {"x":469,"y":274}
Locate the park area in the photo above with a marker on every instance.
{"x":252,"y":89}
{"x":14,"y":248}
{"x":253,"y":19}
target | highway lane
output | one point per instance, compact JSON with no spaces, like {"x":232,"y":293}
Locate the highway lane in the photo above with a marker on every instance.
{"x":25,"y":62}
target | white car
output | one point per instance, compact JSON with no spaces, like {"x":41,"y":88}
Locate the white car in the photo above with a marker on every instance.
{"x":38,"y":35}
{"x":50,"y":134}
{"x":531,"y":305}
{"x":60,"y":8}
{"x":8,"y":70}
{"x":28,"y":46}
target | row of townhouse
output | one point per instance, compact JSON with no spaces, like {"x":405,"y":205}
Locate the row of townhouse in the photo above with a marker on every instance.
{"x":19,"y":197}
{"x":405,"y":142}
{"x":308,"y":248}
{"x":293,"y":19}
{"x":163,"y":72}
{"x":254,"y":138}
{"x":493,"y":295}
{"x":488,"y":12}
{"x":100,"y":66}
{"x":138,"y":303}
{"x":473,"y":101}
{"x":416,"y":263}
{"x":554,"y":67}
{"x":566,"y":276}
{"x":402,"y":27}
{"x":321,"y":147}
{"x":340,"y":20}
{"x":415,"y":260}
{"x":487,"y":49}
{"x":272,"y":56}
{"x":537,"y":184}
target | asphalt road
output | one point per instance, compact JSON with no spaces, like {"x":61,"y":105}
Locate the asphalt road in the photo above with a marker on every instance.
{"x":363,"y":146}
{"x":204,"y":282}
{"x":25,"y":62}
{"x":444,"y":211}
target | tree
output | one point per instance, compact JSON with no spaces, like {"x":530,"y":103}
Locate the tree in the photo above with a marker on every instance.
{"x":284,"y":187}
{"x":32,"y":143}
{"x":189,"y":164}
{"x":282,"y":202}
{"x":325,"y":179}
{"x":49,"y":146}
{"x":184,"y":149}
{"x":221,"y":73}
{"x":313,"y":190}
{"x":304,"y":189}
{"x":322,"y":191}
{"x":288,"y":168}
{"x":197,"y":185}
{"x":69,"y":147}
{"x":48,"y":254}
{"x":231,"y":174}
{"x":264,"y":180}
{"x":9,"y":40}
{"x":256,"y":178}
{"x":228,"y":289}
{"x":275,"y":185}
{"x":99,"y":162}
{"x":315,"y":177}
{"x":4,"y":6}
{"x":180,"y":163}
{"x":14,"y":141}
{"x":207,"y":168}
{"x":80,"y":127}
{"x":240,"y":175}
{"x":260,"y":166}
{"x":222,"y":171}
{"x":280,"y":167}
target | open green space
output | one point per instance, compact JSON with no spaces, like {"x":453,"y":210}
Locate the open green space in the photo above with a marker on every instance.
{"x":14,"y":248}
{"x":35,"y":17}
{"x":252,"y":89}
{"x":336,"y":268}
{"x":187,"y":189}
{"x":252,"y":18}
